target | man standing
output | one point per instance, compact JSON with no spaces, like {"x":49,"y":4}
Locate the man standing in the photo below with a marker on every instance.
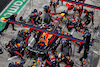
{"x":86,"y":45}
{"x":13,"y":18}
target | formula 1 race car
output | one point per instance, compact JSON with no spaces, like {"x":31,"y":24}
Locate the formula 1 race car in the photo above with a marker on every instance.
{"x":44,"y":43}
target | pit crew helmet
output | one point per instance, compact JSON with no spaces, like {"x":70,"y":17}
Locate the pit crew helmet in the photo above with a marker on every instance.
{"x":23,"y":32}
{"x":35,"y":10}
{"x":49,"y":52}
{"x":7,"y":45}
{"x":18,"y":45}
{"x":85,"y":11}
{"x":40,"y":12}
{"x":79,"y":19}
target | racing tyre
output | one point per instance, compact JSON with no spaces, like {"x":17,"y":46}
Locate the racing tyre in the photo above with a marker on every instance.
{"x":47,"y":18}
